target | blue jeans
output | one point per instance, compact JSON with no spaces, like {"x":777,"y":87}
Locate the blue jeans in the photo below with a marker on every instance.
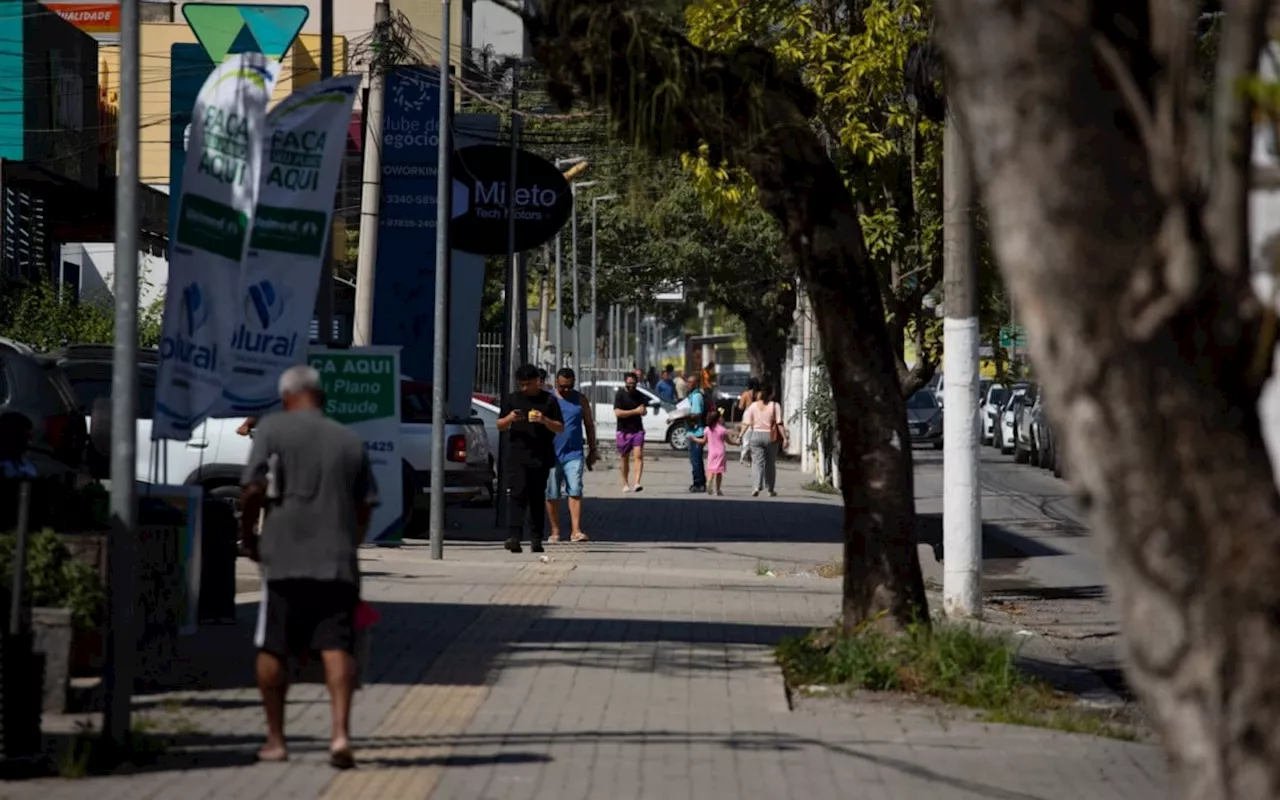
{"x":566,"y":478}
{"x":696,"y":464}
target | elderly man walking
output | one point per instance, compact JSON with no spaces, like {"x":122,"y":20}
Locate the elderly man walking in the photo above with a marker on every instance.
{"x":311,"y":477}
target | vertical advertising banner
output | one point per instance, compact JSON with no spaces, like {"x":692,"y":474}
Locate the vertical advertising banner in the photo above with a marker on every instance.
{"x":306,"y":140}
{"x":403,"y":300}
{"x":219,"y":192}
{"x":362,"y":391}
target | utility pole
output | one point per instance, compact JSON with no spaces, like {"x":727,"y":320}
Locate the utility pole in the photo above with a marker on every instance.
{"x":371,"y":194}
{"x":440,"y":344}
{"x":961,"y":493}
{"x":544,"y":306}
{"x":595,"y":262}
{"x":559,"y":334}
{"x":516,"y":297}
{"x":122,"y":644}
{"x":577,"y":310}
{"x":324,"y":297}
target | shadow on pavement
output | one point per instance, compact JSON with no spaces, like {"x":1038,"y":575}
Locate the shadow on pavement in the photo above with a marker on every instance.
{"x":1047,"y":593}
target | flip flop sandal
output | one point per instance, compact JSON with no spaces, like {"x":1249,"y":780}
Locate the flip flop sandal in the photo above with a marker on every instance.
{"x":342,"y":759}
{"x":579,"y":537}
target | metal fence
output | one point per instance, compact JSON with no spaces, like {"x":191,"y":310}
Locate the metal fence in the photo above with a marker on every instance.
{"x":488,"y":378}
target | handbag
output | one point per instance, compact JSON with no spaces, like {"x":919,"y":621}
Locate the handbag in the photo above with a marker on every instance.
{"x":775,"y":432}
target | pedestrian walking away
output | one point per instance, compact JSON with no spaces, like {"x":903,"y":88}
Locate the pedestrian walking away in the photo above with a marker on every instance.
{"x":531,"y":418}
{"x":748,"y":396}
{"x":763,"y":426}
{"x":694,"y":425}
{"x":309,"y":479}
{"x":666,"y":387}
{"x":714,"y":436}
{"x":630,"y":406}
{"x":566,"y":475}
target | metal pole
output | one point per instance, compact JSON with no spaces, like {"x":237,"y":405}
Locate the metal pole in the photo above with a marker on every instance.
{"x":577,"y":310}
{"x":560,"y":302}
{"x":440,"y":344}
{"x":324,"y":295}
{"x":961,"y":495}
{"x":122,"y":643}
{"x":371,"y":196}
{"x":595,"y":265}
{"x":514,"y":299}
{"x":17,"y":603}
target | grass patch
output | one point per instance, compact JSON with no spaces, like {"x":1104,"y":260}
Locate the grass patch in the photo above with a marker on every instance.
{"x":957,"y":664}
{"x":763,"y":569}
{"x":84,"y":753}
{"x":820,"y":487}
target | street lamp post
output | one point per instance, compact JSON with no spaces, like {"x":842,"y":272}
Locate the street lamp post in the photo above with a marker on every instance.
{"x":562,"y":164}
{"x":595,"y":257}
{"x":577,"y":313}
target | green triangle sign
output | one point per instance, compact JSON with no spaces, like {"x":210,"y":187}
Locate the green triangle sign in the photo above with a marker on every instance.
{"x":224,"y":30}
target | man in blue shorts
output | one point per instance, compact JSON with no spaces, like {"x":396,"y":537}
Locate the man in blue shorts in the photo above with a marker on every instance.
{"x":566,"y":475}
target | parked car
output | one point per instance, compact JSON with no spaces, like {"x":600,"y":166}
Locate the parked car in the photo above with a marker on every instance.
{"x":35,"y":386}
{"x":1022,"y":438}
{"x":988,"y":408}
{"x":656,"y":427}
{"x":215,"y":455}
{"x":1041,"y":448}
{"x":924,"y":418}
{"x":488,"y":412}
{"x":1005,"y":417}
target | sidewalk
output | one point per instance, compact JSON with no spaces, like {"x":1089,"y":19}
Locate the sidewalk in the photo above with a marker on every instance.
{"x":635,"y":666}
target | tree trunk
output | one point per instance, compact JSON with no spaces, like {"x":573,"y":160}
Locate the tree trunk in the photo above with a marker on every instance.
{"x":767,"y":353}
{"x":671,"y":96}
{"x":1130,"y":276}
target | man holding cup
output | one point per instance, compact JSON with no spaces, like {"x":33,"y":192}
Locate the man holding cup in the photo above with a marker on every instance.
{"x":531,"y":418}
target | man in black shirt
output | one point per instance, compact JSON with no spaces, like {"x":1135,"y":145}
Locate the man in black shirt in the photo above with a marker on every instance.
{"x":531,"y":419}
{"x":629,"y":407}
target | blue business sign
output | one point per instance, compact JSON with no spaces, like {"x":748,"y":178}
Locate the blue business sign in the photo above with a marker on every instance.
{"x":404,"y":297}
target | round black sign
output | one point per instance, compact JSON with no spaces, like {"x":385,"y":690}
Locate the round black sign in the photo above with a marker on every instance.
{"x":543,"y":200}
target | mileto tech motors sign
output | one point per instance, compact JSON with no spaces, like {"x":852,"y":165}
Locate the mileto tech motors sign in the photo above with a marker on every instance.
{"x":482,"y":199}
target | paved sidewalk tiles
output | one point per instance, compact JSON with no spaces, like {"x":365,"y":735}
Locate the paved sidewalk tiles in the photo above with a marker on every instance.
{"x":634,"y":666}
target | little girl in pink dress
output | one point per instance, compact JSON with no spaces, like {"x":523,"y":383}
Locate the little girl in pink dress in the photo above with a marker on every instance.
{"x":714,"y":436}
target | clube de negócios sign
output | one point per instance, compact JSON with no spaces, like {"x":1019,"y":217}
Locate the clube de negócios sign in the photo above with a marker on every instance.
{"x":481,"y":175}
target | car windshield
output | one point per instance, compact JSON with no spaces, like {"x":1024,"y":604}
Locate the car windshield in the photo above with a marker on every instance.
{"x":922,"y":400}
{"x":997,"y":395}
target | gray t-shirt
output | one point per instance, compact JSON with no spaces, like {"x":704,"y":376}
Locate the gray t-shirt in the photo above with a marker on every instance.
{"x":310,"y":531}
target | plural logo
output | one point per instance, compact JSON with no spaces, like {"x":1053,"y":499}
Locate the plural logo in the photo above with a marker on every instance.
{"x":193,"y":314}
{"x":264,"y":305}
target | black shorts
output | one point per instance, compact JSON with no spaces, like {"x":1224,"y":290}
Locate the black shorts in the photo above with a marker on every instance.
{"x":304,"y":616}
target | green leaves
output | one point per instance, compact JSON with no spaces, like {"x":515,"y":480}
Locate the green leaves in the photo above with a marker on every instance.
{"x":45,"y":319}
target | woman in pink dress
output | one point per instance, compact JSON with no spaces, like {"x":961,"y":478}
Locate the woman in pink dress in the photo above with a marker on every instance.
{"x":714,"y":436}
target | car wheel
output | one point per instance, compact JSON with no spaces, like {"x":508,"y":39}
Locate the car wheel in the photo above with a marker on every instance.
{"x":678,"y":436}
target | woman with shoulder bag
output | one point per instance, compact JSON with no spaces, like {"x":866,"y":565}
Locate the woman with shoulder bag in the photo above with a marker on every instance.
{"x":765,"y":433}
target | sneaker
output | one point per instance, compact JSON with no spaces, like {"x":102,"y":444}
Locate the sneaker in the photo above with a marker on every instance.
{"x":625,"y":488}
{"x":755,"y":493}
{"x":579,"y":537}
{"x":697,"y":489}
{"x":639,"y":488}
{"x":513,"y":545}
{"x":772,"y":493}
{"x":719,"y":492}
{"x":535,"y":546}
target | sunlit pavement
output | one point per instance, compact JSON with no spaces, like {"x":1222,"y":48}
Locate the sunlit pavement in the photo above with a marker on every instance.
{"x":635,"y":666}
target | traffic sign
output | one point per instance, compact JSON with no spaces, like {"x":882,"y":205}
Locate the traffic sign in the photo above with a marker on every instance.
{"x":1013,"y":336}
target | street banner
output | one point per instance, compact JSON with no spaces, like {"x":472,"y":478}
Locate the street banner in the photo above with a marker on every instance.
{"x":219,"y":191}
{"x":362,"y":391}
{"x":305,"y":143}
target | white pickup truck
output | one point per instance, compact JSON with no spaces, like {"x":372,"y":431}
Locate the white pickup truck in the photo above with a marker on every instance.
{"x":215,"y":455}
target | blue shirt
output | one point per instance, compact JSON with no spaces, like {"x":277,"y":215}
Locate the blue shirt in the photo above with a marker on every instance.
{"x":666,"y":390}
{"x":697,"y":412}
{"x":569,"y":444}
